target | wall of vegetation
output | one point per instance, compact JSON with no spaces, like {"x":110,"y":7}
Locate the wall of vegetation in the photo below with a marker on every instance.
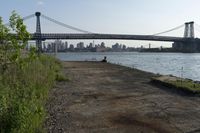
{"x":25,"y":79}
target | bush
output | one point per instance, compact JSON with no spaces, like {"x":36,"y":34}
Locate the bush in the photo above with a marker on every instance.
{"x":24,"y":80}
{"x":60,"y":77}
{"x":23,"y":93}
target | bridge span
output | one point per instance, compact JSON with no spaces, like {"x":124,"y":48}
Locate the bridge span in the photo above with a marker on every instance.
{"x":187,"y":43}
{"x":47,"y":36}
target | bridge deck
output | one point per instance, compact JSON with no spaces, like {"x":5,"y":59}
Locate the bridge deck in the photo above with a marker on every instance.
{"x":45,"y":36}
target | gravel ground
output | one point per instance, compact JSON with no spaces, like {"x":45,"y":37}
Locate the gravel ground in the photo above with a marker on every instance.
{"x":107,"y":98}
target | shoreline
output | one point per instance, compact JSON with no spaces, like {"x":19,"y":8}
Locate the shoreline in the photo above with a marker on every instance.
{"x":103,"y":97}
{"x":156,"y":63}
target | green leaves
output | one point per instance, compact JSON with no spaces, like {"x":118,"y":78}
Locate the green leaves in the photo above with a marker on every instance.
{"x":25,"y":79}
{"x":11,"y":46}
{"x":23,"y":92}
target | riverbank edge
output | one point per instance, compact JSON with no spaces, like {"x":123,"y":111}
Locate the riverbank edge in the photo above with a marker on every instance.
{"x":169,"y":86}
{"x":174,"y":87}
{"x":155,"y":81}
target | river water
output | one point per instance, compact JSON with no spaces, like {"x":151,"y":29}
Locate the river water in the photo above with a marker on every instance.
{"x":177,"y":64}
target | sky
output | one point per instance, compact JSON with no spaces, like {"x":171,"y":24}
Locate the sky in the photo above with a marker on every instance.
{"x":141,"y":17}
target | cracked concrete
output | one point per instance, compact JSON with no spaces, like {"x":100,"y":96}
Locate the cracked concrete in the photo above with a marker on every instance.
{"x":108,"y":98}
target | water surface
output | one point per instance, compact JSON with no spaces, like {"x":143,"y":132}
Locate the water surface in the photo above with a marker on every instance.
{"x":178,"y":64}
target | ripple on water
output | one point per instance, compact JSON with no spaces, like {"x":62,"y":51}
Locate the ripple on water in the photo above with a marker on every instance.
{"x":163,"y":63}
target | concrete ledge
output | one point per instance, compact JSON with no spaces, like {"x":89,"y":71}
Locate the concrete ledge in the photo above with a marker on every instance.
{"x":185,"y":85}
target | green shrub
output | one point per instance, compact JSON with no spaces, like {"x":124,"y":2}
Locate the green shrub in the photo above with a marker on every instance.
{"x":61,"y":77}
{"x":23,"y":93}
{"x":25,"y":80}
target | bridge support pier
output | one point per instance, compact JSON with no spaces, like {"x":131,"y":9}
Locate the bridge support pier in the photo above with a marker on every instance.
{"x":186,"y":47}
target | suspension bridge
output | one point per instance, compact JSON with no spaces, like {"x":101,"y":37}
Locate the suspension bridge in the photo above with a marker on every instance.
{"x":187,"y":43}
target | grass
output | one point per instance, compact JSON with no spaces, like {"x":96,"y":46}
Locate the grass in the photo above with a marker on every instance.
{"x":178,"y":83}
{"x":186,"y":84}
{"x":23,"y":93}
{"x":61,"y":77}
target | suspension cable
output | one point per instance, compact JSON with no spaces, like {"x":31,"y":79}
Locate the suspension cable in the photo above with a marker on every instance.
{"x":65,"y":25}
{"x":178,"y":27}
{"x":24,"y":18}
{"x":28,"y":17}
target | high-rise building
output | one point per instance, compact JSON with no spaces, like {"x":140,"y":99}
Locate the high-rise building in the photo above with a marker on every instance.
{"x":102,"y":45}
{"x":66,"y":45}
{"x":71,"y":47}
{"x":80,"y":45}
{"x":91,"y":45}
{"x":124,"y":47}
{"x":58,"y":44}
{"x":116,"y":46}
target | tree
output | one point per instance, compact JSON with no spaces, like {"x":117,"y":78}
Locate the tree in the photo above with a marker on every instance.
{"x":13,"y":39}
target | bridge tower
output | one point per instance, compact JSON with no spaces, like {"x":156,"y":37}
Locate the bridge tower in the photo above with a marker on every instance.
{"x":38,"y":32}
{"x":190,"y":45}
{"x":189,"y":30}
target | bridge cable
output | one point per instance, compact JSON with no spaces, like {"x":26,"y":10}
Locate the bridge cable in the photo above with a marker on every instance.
{"x":24,"y":18}
{"x":65,"y":25}
{"x":178,"y":27}
{"x":28,"y":17}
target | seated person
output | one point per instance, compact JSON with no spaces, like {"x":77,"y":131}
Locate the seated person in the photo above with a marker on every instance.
{"x":104,"y":60}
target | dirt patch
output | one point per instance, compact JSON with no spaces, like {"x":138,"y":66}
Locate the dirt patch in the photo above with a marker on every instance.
{"x":102,"y":97}
{"x":134,"y":120}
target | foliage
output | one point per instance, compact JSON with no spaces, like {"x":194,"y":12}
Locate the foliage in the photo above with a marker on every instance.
{"x":25,"y":79}
{"x":186,"y":84}
{"x":23,"y":93}
{"x":11,"y":46}
{"x":61,"y":77}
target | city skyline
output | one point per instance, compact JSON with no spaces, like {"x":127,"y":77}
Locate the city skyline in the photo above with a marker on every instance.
{"x":124,"y":17}
{"x":64,"y":46}
{"x":93,"y":43}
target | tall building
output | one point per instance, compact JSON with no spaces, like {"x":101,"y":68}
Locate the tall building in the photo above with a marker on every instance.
{"x":124,"y":47}
{"x":91,"y":45}
{"x":116,"y":47}
{"x":44,"y":46}
{"x":66,"y":45}
{"x":71,"y":47}
{"x":58,"y":44}
{"x":103,"y":45}
{"x":80,"y":45}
